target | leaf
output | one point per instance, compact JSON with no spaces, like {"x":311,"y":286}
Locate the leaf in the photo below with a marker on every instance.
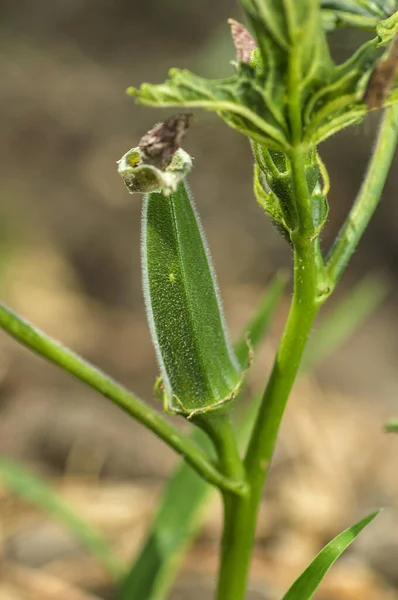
{"x":340,"y":103}
{"x":36,"y":491}
{"x":179,"y":513}
{"x":291,"y":87}
{"x":307,"y":584}
{"x":240,"y":100}
{"x":355,"y":84}
{"x":255,"y":101}
{"x":290,"y":33}
{"x":199,"y":370}
{"x":388,"y":29}
{"x":364,"y":14}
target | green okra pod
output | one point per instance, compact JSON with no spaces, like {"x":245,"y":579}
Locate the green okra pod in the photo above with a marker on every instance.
{"x":198,"y":367}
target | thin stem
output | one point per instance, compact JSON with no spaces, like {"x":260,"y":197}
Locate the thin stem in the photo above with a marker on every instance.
{"x":225,"y":441}
{"x":48,"y":348}
{"x":368,"y":197}
{"x":219,"y":429}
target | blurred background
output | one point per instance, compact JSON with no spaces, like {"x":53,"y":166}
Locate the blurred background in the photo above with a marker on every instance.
{"x":70,"y":262}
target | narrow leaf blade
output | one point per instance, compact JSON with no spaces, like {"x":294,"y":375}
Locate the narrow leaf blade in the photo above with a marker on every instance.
{"x":364,"y":14}
{"x":257,"y":328}
{"x":42,"y":495}
{"x":306,"y":585}
{"x":170,"y":534}
{"x":338,"y":326}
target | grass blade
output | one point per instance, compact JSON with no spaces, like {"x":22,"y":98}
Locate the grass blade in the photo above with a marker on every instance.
{"x":256,"y":329}
{"x":37,"y":492}
{"x":306,"y":585}
{"x":347,"y":316}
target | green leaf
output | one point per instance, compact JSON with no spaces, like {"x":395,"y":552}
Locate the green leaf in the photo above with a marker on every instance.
{"x":179,"y":513}
{"x":363,"y":14}
{"x":307,"y":584}
{"x":37,"y":492}
{"x":290,"y":33}
{"x":241,"y":100}
{"x":340,"y":103}
{"x":345,"y":99}
{"x":199,"y":370}
{"x":388,"y":29}
{"x":255,"y":101}
{"x":175,"y":523}
{"x":291,"y":90}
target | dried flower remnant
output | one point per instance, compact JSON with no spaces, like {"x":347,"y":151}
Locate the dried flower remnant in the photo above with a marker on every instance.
{"x":160,"y":143}
{"x":159,"y":163}
{"x":382,"y":78}
{"x":243,"y":40}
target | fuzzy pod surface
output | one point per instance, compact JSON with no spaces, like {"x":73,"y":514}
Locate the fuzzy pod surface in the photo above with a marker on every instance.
{"x":199,"y":370}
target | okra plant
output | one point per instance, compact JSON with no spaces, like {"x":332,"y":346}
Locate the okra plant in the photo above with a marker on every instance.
{"x":286,"y":95}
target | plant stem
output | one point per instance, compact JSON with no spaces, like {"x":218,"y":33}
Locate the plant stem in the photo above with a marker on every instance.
{"x":225,"y":441}
{"x":219,"y":429}
{"x":368,"y":197}
{"x":48,"y":348}
{"x":313,"y":283}
{"x":241,"y":513}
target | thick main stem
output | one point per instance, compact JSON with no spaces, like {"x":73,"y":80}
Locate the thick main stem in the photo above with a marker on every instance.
{"x":240,"y":514}
{"x":312,"y":285}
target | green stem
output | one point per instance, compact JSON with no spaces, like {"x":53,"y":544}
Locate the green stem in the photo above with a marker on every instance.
{"x":48,"y":348}
{"x":312,"y":285}
{"x":241,"y":513}
{"x":219,"y":429}
{"x":225,"y":441}
{"x":368,"y":197}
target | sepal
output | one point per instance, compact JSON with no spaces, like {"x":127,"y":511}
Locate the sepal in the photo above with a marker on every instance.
{"x":143,"y":178}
